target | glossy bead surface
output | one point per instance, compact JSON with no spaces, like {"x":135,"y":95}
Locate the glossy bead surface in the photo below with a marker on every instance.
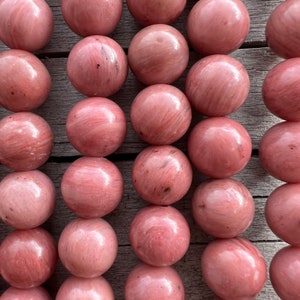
{"x":24,"y":81}
{"x":285,"y":273}
{"x":159,"y":235}
{"x":282,"y":29}
{"x":37,"y":293}
{"x":219,"y":147}
{"x":156,"y":11}
{"x":279,"y":151}
{"x":88,"y":247}
{"x":74,"y":288}
{"x":223,"y":208}
{"x":282,"y":212}
{"x":218,"y":27}
{"x":158,"y":53}
{"x":162,"y":175}
{"x":96,"y":126}
{"x":152,"y":283}
{"x":281,"y":91}
{"x":92,"y":17}
{"x":217,"y":85}
{"x":171,"y":119}
{"x":27,"y":199}
{"x":26,"y":24}
{"x":28,"y":257}
{"x":97,"y":66}
{"x":233,"y":268}
{"x":26,"y":141}
{"x":92,"y":187}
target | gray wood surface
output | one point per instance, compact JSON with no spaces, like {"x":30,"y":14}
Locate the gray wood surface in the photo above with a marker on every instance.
{"x":256,"y":57}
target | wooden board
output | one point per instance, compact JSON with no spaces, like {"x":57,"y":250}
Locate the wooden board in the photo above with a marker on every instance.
{"x":258,"y":60}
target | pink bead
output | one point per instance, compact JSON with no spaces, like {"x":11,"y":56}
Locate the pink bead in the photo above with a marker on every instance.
{"x":158,"y":53}
{"x":27,"y":199}
{"x":156,"y":11}
{"x":223,"y":208}
{"x":88,"y":247}
{"x":217,"y":85}
{"x":96,"y":126}
{"x":97,"y":66}
{"x":171,"y":119}
{"x":28,"y":258}
{"x":233,"y":268}
{"x":92,"y":187}
{"x":37,"y":293}
{"x":162,"y":175}
{"x":24,"y":81}
{"x":218,"y":27}
{"x":219,"y":147}
{"x":285,"y":272}
{"x":279,"y":151}
{"x":282,"y":212}
{"x":26,"y":24}
{"x":159,"y":235}
{"x":92,"y":16}
{"x":152,"y":283}
{"x":282,"y":29}
{"x":281,"y":91}
{"x":26,"y":141}
{"x":74,"y":288}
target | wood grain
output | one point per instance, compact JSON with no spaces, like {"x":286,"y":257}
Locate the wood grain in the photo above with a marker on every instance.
{"x":253,"y":114}
{"x":258,"y":60}
{"x":63,"y":38}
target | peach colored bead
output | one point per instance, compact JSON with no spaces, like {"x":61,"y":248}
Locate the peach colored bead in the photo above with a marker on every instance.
{"x":24,"y":81}
{"x":26,"y":141}
{"x":96,"y":126}
{"x":158,"y":53}
{"x":88,"y":247}
{"x":26,"y":24}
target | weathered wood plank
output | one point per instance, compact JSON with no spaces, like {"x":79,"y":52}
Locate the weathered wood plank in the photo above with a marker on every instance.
{"x":253,"y":114}
{"x":63,"y":39}
{"x":253,"y":176}
{"x":188,"y":268}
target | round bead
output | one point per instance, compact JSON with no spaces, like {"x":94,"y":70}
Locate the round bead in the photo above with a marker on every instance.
{"x":158,"y":53}
{"x":28,"y":258}
{"x":88,"y":247}
{"x":94,"y":17}
{"x":74,"y":288}
{"x":26,"y":141}
{"x":162,"y":175}
{"x":152,"y":283}
{"x":218,"y":27}
{"x":159,"y":235}
{"x":26,"y":24}
{"x":97,"y":66}
{"x":96,"y":126}
{"x":37,"y":293}
{"x":281,"y":92}
{"x":282,"y":212}
{"x":279,"y":151}
{"x":92,"y":187}
{"x":233,"y":268}
{"x":156,"y":11}
{"x":281,"y":29}
{"x":217,"y":85}
{"x":24,"y":81}
{"x":285,"y":272}
{"x":219,"y":147}
{"x":171,"y":119}
{"x":223,"y":208}
{"x":27,"y":199}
